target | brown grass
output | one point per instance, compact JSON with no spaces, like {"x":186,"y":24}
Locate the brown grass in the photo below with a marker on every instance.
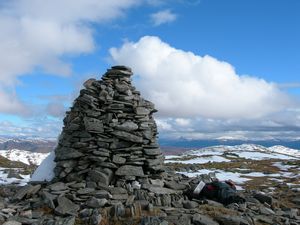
{"x":215,"y":211}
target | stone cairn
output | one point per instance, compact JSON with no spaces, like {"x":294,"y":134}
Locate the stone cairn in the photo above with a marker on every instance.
{"x":109,"y":134}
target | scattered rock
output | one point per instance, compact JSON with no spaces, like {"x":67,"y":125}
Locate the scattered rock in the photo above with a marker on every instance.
{"x":12,"y":223}
{"x":128,"y":170}
{"x":66,"y":207}
{"x":263,"y":198}
{"x":190,"y":204}
{"x":96,"y":203}
{"x":199,"y":219}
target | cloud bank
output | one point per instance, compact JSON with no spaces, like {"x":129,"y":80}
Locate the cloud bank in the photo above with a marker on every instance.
{"x":183,"y":84}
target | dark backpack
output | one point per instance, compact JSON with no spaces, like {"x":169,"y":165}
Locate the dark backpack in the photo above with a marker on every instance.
{"x":221,"y":192}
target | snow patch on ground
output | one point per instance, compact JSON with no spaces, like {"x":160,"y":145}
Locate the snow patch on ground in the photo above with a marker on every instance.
{"x":285,"y":150}
{"x":240,"y":178}
{"x":4,"y":180}
{"x":205,"y":151}
{"x":283,"y":167}
{"x":262,"y":155}
{"x":23,"y":156}
{"x":246,"y":151}
{"x":220,"y":174}
{"x":172,"y":157}
{"x":200,"y":160}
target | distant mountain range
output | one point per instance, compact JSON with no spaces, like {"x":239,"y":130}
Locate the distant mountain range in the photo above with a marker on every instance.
{"x":169,"y":146}
{"x":28,"y":144}
{"x":188,"y":144}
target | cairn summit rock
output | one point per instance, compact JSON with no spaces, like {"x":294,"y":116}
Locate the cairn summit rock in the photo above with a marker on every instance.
{"x":109,"y":133}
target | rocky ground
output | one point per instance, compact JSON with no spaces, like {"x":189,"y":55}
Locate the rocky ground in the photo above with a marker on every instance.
{"x":155,"y":200}
{"x":269,"y":183}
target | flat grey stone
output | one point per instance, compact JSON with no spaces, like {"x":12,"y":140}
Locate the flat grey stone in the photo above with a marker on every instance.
{"x":176,"y":186}
{"x":142,"y":111}
{"x":203,"y":220}
{"x":122,"y":67}
{"x":101,"y":153}
{"x":128,"y":136}
{"x":72,"y":154}
{"x":85,"y":191}
{"x":154,"y":162}
{"x":96,"y":203}
{"x":120,"y":196}
{"x":118,"y":190}
{"x":155,"y":151}
{"x":107,"y":165}
{"x":128,"y":170}
{"x":22,"y":192}
{"x":78,"y":185}
{"x":158,"y":190}
{"x":97,"y":176}
{"x":118,"y":160}
{"x":263,"y":198}
{"x":127,"y":126}
{"x":190,"y":204}
{"x":118,"y":73}
{"x":231,"y":220}
{"x":48,"y":199}
{"x":89,"y":83}
{"x":157,"y":182}
{"x":102,"y":194}
{"x":93,"y":125}
{"x":59,"y":186}
{"x":12,"y":222}
{"x":66,"y":207}
{"x":266,"y":211}
{"x":65,"y":221}
{"x":97,"y":158}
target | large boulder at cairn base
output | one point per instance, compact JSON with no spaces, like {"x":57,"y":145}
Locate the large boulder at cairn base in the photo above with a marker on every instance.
{"x":109,"y":133}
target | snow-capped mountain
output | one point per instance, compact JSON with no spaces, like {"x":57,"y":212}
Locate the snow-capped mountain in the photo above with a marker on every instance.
{"x":27,"y":157}
{"x":284,"y":150}
{"x":277,"y":151}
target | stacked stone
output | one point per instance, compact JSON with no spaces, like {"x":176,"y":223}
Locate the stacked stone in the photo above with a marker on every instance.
{"x":109,"y":134}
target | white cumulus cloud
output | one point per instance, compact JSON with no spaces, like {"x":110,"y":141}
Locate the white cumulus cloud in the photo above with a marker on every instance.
{"x":183,"y":84}
{"x":38,"y":34}
{"x":164,"y":16}
{"x":183,"y":122}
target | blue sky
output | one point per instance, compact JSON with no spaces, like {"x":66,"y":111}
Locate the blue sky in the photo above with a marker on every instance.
{"x":214,"y":68}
